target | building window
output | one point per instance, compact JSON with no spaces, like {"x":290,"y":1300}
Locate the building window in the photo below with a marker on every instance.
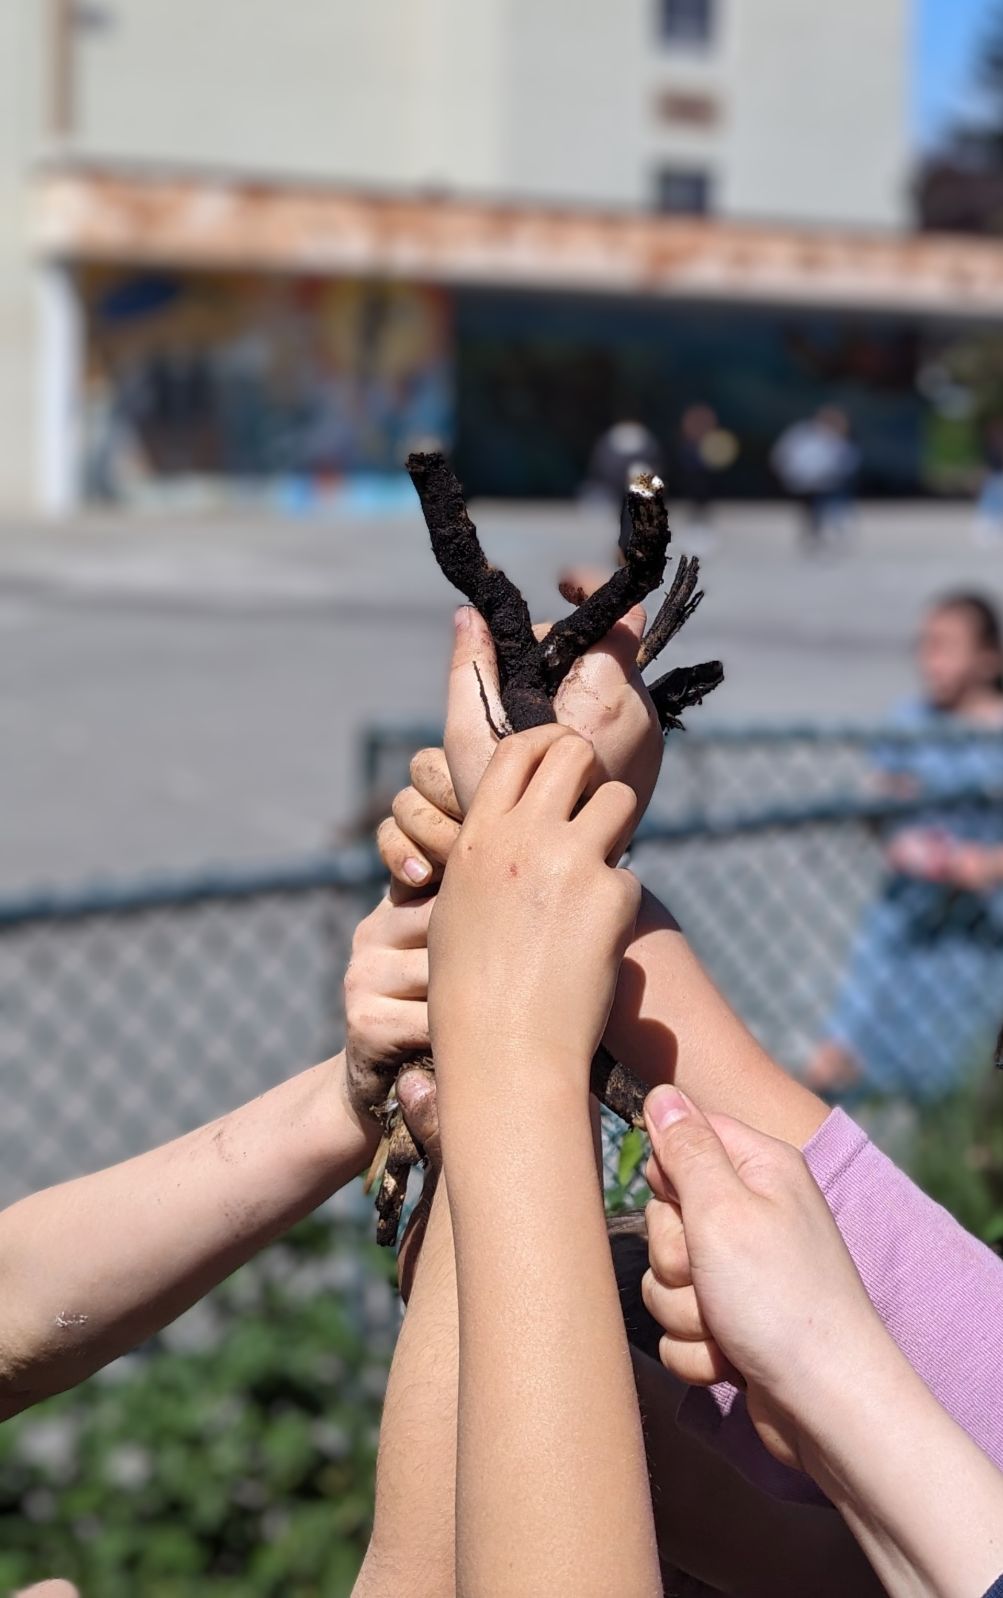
{"x":683,"y":191}
{"x":686,"y":22}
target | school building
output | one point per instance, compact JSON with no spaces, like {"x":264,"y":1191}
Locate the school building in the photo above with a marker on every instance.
{"x":245,"y":244}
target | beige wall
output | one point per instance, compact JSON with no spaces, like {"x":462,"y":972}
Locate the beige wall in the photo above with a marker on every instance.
{"x":534,"y":98}
{"x":574,"y":101}
{"x":819,"y":125}
{"x":813,"y":115}
{"x":366,"y":91}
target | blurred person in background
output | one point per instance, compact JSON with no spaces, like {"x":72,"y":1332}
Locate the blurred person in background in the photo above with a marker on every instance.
{"x":817,"y":464}
{"x":917,"y":1003}
{"x":621,"y":453}
{"x":988,"y":530}
{"x":704,"y":449}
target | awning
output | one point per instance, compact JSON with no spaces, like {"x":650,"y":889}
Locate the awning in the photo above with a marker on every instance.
{"x":197,"y":220}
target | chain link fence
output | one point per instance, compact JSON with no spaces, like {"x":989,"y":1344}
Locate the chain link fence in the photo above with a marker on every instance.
{"x":811,"y":869}
{"x":129,"y":1014}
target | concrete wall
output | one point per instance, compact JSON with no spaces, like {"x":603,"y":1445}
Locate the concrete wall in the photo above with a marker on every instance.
{"x":812,"y":118}
{"x":574,"y":101}
{"x":365,"y":93}
{"x":818,"y":128}
{"x":534,"y":98}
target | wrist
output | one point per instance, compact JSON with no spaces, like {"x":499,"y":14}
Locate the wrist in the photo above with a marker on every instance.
{"x":508,"y":1063}
{"x":340,"y":1124}
{"x":503,"y":1113}
{"x":531,"y":1143}
{"x":846,"y":1400}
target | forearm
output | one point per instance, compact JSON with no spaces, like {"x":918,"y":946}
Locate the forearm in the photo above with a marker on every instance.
{"x":552,"y":1491}
{"x":413,"y":1546}
{"x":89,"y":1269}
{"x":926,"y":1506}
{"x":670,"y":1024}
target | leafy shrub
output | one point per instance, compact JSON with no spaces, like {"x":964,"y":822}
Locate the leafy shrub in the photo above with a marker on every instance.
{"x":233,"y":1455}
{"x":957,"y":1156}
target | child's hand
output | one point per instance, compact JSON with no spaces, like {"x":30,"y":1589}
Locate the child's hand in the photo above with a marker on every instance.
{"x":417,"y":1098}
{"x":602,"y":697}
{"x":531,"y":921}
{"x":386,"y":993}
{"x":415,"y":841}
{"x":749,"y":1272}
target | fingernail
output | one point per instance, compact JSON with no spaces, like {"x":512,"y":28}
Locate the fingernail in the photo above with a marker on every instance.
{"x":461,"y":620}
{"x":665,"y":1105}
{"x":416,"y":871}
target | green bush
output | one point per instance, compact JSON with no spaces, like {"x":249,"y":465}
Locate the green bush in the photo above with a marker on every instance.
{"x":234,"y":1455}
{"x":957,"y":1156}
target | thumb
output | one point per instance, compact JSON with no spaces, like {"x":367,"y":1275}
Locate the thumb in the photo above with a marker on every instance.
{"x":624,"y":639}
{"x":687,"y":1151}
{"x":416,"y":1096}
{"x":577,"y":584}
{"x":472,"y":704}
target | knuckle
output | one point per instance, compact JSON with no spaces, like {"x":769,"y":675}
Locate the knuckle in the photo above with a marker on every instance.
{"x":418,"y":763}
{"x":386,"y":832}
{"x":510,"y":752}
{"x":571,"y":746}
{"x":357,"y":973}
{"x":666,"y":1251}
{"x":628,"y":887}
{"x":562,"y":866}
{"x":622,"y":793}
{"x":689,"y":1141}
{"x":425,"y":763}
{"x":651,"y":1295}
{"x":404,"y":804}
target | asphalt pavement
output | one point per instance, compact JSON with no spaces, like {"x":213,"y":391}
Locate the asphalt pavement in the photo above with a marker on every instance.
{"x":180,"y":691}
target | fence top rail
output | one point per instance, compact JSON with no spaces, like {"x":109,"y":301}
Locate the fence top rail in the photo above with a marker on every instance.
{"x":865,"y":733}
{"x":871,"y":810}
{"x":356,"y":867}
{"x":359,"y":866}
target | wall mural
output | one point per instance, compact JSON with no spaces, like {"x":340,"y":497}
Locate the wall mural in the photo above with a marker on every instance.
{"x":253,"y":378}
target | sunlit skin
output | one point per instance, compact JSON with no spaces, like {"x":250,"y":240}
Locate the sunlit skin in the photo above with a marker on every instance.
{"x":94,"y":1266}
{"x":774,"y":1548}
{"x":749,"y":1273}
{"x":777,"y":1548}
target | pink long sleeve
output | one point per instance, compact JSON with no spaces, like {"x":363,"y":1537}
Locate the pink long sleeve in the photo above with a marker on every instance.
{"x":937,"y":1289}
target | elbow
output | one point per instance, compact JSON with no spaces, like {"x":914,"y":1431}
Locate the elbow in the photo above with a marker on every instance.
{"x":32,"y":1368}
{"x":17,"y":1389}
